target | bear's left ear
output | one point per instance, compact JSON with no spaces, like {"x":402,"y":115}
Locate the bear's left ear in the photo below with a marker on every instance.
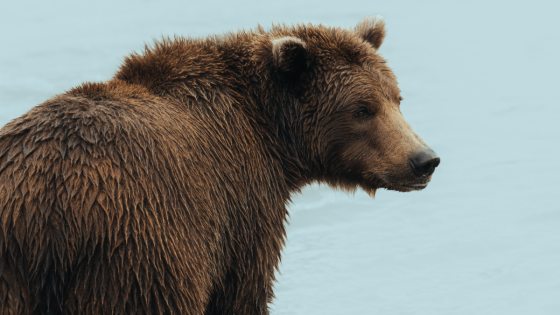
{"x":290,"y":55}
{"x":372,"y":30}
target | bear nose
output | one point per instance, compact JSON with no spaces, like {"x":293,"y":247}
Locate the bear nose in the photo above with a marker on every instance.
{"x":424,"y":163}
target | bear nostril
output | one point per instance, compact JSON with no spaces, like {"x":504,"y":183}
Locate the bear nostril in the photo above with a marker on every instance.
{"x":424,"y":163}
{"x":436,"y":162}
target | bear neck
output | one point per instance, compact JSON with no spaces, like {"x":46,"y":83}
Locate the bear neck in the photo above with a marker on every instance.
{"x":279,"y":105}
{"x":279,"y":122}
{"x":275,"y":103}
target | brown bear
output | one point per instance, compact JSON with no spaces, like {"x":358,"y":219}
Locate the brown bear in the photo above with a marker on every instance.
{"x":164,"y":189}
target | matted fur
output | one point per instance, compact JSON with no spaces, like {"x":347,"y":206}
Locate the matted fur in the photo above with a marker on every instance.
{"x":164,"y":190}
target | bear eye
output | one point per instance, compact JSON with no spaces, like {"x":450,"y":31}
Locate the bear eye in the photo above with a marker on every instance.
{"x":363,"y":113}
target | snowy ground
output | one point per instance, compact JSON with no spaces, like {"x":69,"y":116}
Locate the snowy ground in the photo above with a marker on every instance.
{"x":480,"y":82}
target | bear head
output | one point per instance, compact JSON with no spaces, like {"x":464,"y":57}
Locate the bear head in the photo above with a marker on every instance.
{"x":340,"y":104}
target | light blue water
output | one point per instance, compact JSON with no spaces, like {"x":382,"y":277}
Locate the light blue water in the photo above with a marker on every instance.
{"x":480,"y":82}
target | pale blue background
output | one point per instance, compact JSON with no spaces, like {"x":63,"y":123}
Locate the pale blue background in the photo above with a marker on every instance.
{"x":480,"y":82}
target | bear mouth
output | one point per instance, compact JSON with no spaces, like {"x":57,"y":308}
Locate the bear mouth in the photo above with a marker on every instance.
{"x":395,"y":181}
{"x":407,"y":187}
{"x":416,"y":186}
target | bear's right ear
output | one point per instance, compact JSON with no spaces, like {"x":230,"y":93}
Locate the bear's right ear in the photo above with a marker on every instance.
{"x":372,"y":30}
{"x":290,"y":55}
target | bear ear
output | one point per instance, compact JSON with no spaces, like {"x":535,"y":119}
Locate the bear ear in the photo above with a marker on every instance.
{"x":290,"y":56}
{"x":372,"y":30}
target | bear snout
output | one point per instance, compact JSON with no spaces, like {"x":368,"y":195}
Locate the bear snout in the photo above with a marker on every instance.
{"x":424,"y":163}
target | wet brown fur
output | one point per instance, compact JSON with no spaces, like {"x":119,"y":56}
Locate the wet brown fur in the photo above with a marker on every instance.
{"x":164,"y":190}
